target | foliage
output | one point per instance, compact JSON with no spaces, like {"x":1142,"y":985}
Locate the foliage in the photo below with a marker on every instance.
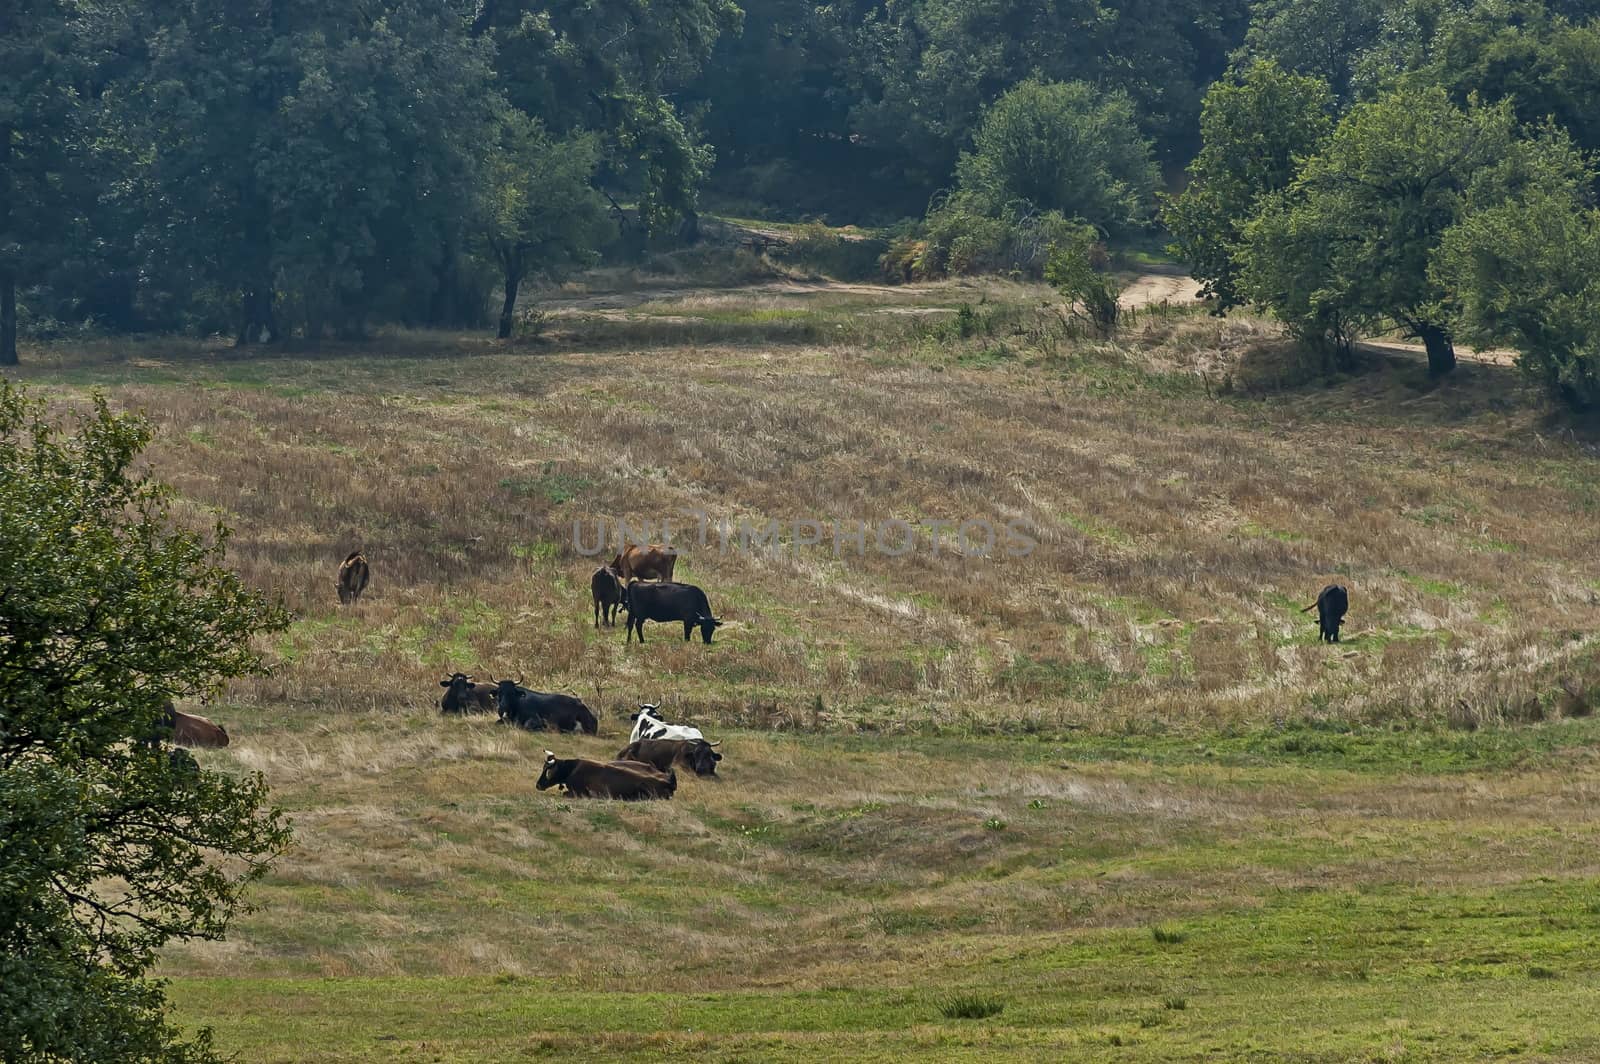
{"x":109,"y":847}
{"x":1526,"y":273}
{"x":960,"y":238}
{"x":1347,"y":246}
{"x":1077,"y":270}
{"x":1256,"y":128}
{"x":1062,"y":148}
{"x":1320,"y":39}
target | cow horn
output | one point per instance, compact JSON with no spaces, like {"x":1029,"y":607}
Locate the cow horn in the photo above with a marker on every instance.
{"x":717,"y":743}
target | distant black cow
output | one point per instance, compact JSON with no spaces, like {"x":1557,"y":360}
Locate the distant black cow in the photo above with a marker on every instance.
{"x":591,"y":779}
{"x":606,"y":587}
{"x":463,"y":696}
{"x":1333,"y":602}
{"x":354,"y":572}
{"x":696,"y":755}
{"x":669,"y":602}
{"x":536,"y":710}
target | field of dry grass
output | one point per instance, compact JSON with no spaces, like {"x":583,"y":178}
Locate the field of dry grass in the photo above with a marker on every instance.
{"x":948,"y":774}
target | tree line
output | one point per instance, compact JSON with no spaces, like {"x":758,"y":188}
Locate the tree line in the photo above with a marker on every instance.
{"x":283,"y":167}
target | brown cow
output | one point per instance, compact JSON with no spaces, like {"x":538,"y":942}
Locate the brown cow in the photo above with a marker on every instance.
{"x":654,"y":562}
{"x":696,"y":755}
{"x":591,"y":779}
{"x":353,"y":576}
{"x":464,"y":696}
{"x":606,"y":587}
{"x":187,"y":729}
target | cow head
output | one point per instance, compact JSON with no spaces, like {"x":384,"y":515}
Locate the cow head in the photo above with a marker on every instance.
{"x":458,"y":683}
{"x":552,"y":770}
{"x":506,"y":693}
{"x":702,"y":759}
{"x":648,"y":710}
{"x":708,"y":624}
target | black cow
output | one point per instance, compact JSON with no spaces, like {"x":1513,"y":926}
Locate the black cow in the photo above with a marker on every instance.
{"x":591,"y":779}
{"x":463,"y":696}
{"x":606,"y":588}
{"x":1333,"y":602}
{"x":696,"y":755}
{"x":536,"y":710}
{"x":670,"y":602}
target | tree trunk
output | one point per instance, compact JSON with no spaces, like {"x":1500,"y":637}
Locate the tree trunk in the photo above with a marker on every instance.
{"x":8,"y":280}
{"x":1441,"y":352}
{"x":508,"y":310}
{"x":259,"y":326}
{"x":8,"y":320}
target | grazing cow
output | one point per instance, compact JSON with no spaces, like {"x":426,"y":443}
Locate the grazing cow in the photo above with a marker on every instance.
{"x":648,"y":724}
{"x":187,"y":729}
{"x":696,"y":755}
{"x":536,"y":710}
{"x":1333,"y":602}
{"x":654,"y":562}
{"x":592,"y":779}
{"x":464,"y":696}
{"x":606,"y":587}
{"x":353,"y":576}
{"x":670,"y":602}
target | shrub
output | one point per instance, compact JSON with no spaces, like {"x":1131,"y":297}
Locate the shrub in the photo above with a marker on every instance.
{"x":1076,"y":270}
{"x":970,"y":1007}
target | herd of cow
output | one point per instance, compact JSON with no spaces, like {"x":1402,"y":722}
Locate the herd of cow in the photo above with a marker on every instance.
{"x":639,"y":582}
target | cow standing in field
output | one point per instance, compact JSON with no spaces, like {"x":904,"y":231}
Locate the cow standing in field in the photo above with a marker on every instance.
{"x":696,"y":755}
{"x":1333,"y":602}
{"x":654,"y":562}
{"x":591,"y":779}
{"x":464,"y":696}
{"x":606,"y":588}
{"x":354,"y":572}
{"x":536,"y":710}
{"x":669,"y":602}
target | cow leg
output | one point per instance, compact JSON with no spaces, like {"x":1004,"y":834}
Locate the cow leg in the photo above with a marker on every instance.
{"x":688,"y":627}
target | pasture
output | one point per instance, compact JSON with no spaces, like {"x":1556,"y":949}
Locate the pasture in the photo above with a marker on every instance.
{"x":1110,"y":799}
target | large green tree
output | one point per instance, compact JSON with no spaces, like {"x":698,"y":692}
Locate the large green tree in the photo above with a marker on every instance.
{"x":109,"y":845}
{"x":1256,"y":128}
{"x":1525,"y":273}
{"x":1346,"y":248}
{"x":1065,"y":148}
{"x":1323,"y":39}
{"x":541,"y":216}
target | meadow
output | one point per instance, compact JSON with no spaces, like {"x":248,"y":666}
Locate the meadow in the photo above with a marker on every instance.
{"x":1109,"y":799}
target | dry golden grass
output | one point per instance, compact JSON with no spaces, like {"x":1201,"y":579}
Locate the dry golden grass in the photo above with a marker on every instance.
{"x":946,"y":773}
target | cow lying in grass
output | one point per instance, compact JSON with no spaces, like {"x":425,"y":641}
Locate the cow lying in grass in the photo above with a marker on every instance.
{"x":647,"y":724}
{"x":463,"y":696}
{"x":696,"y":755}
{"x":536,"y":710}
{"x":591,"y":779}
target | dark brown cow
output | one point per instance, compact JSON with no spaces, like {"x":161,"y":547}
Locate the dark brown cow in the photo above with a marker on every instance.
{"x":696,"y":755}
{"x":464,"y":696}
{"x":1333,"y":602}
{"x":606,"y":587}
{"x":187,"y":729}
{"x":592,"y":779}
{"x":353,"y":576}
{"x":654,"y":562}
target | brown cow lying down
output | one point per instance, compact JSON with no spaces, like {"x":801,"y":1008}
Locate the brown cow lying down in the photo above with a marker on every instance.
{"x":661,"y":754}
{"x":592,"y":779}
{"x":189,"y":730}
